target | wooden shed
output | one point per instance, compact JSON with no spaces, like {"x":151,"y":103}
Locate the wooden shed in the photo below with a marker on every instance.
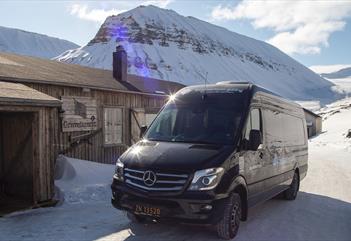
{"x":101,"y":111}
{"x":314,"y":123}
{"x":26,"y":141}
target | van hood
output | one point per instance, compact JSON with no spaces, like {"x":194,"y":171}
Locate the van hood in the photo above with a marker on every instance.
{"x":174,"y":157}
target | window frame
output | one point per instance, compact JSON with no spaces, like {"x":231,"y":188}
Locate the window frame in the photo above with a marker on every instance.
{"x":283,"y":142}
{"x":122,"y":143}
{"x":249,"y":122}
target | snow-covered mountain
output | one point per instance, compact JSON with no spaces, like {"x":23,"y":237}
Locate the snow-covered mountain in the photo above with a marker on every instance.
{"x":163,"y":44}
{"x":340,"y":74}
{"x":341,"y":77}
{"x":32,"y":44}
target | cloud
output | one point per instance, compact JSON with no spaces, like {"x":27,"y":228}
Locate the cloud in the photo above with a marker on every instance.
{"x":95,"y":15}
{"x":99,"y":15}
{"x":158,"y":3}
{"x":302,"y":27}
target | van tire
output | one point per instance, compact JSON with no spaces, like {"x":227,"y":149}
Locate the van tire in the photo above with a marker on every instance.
{"x":135,"y":218}
{"x":291,"y":193}
{"x":228,"y":226}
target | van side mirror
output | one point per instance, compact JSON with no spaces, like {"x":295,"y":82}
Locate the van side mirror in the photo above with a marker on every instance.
{"x":255,"y":139}
{"x":142,"y":130}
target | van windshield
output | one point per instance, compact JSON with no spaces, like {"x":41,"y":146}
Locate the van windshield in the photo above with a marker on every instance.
{"x":214,"y":120}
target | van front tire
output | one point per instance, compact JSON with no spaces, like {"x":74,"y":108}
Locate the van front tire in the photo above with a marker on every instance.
{"x":291,"y":193}
{"x":228,"y":226}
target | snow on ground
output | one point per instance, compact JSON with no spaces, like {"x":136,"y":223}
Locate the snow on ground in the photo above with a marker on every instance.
{"x":322,"y":210}
{"x":82,"y":181}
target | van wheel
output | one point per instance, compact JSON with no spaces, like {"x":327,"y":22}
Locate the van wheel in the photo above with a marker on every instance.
{"x":228,"y":226}
{"x":135,"y":218}
{"x":291,"y":193}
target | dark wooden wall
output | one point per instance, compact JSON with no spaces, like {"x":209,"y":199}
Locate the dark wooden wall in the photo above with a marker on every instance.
{"x":17,"y":160}
{"x":28,"y":150}
{"x":93,"y":148}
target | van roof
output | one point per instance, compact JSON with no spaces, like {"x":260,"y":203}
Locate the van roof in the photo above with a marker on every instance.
{"x":223,"y":85}
{"x":241,"y":86}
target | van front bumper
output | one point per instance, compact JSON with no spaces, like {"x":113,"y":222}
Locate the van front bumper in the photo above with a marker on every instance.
{"x":188,"y":207}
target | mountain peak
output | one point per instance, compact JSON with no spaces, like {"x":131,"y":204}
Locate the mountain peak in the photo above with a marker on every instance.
{"x":145,"y":14}
{"x":163,"y":44}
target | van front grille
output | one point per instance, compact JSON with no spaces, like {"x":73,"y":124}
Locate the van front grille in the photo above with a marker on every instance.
{"x":165,"y":182}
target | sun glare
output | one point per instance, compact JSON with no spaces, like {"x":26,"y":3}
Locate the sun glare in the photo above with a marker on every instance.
{"x":172,"y":97}
{"x":136,"y":151}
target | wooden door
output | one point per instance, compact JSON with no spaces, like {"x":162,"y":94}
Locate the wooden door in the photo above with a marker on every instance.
{"x":137,"y":120}
{"x":17,"y":154}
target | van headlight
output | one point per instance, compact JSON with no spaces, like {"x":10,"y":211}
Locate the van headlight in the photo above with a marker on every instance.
{"x":119,"y":170}
{"x":206,"y":179}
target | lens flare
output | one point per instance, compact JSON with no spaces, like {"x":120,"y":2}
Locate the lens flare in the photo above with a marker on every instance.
{"x":136,"y":150}
{"x":172,"y":97}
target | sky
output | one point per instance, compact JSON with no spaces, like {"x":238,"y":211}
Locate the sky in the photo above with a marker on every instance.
{"x":316,"y":33}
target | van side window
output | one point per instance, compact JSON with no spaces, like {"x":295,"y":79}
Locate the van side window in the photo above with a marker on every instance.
{"x":253,"y":123}
{"x":255,"y":119}
{"x":283,"y":129}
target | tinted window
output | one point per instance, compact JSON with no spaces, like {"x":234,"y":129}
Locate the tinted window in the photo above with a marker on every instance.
{"x":203,"y":120}
{"x":253,"y":122}
{"x":255,"y":119}
{"x":283,"y":129}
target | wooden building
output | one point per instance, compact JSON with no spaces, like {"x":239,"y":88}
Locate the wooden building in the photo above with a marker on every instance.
{"x":314,"y":123}
{"x":85,"y":113}
{"x":26,"y":148}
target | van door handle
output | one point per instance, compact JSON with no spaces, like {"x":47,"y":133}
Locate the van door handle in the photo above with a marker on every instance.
{"x":261,"y":155}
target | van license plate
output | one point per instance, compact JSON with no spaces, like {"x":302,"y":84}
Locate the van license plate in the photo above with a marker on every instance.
{"x":147,"y":210}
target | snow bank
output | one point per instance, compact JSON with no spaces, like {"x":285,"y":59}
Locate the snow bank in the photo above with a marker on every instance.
{"x":336,"y":124}
{"x":81,"y":181}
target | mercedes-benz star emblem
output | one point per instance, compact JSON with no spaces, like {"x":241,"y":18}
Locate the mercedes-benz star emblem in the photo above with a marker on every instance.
{"x":149,"y":178}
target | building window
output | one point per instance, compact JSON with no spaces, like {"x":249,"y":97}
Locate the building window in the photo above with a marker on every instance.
{"x":149,"y":119}
{"x":113,"y":125}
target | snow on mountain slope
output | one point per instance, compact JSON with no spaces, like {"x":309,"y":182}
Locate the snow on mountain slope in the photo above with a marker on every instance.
{"x":32,"y":44}
{"x":342,"y":73}
{"x":163,"y":44}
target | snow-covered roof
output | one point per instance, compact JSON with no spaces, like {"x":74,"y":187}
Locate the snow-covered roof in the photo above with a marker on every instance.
{"x":312,"y":113}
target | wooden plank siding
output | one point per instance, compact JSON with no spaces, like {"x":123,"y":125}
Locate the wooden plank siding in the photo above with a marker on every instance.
{"x":44,"y":151}
{"x":94,"y":149}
